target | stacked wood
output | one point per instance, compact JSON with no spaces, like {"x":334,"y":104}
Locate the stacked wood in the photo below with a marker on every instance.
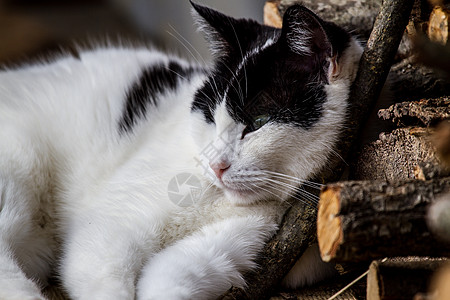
{"x":426,"y":111}
{"x":365,"y":220}
{"x":412,"y":81}
{"x":401,"y":278}
{"x":406,"y":153}
{"x":357,"y":16}
{"x":438,"y":25}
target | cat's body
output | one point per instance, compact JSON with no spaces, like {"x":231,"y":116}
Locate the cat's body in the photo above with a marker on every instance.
{"x":91,"y":148}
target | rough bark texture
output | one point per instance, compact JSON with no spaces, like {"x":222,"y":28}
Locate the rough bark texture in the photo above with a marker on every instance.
{"x":365,"y":220}
{"x":401,"y":154}
{"x":357,"y":16}
{"x":400,"y":278}
{"x":411,"y":81}
{"x":425,"y":112}
{"x":376,"y":60}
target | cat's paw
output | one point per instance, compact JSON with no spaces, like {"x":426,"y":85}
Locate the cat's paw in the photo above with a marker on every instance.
{"x":207,"y":263}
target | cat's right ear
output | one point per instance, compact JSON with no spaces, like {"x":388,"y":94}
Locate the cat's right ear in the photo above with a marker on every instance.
{"x":304,"y":34}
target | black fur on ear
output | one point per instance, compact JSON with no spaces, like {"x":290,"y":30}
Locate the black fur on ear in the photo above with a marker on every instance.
{"x":225,"y":34}
{"x":307,"y":34}
{"x":304,"y":33}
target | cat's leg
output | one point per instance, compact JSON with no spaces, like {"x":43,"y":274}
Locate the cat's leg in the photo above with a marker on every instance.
{"x":103,"y":255}
{"x":309,"y":269}
{"x":22,"y":250}
{"x":207,"y":263}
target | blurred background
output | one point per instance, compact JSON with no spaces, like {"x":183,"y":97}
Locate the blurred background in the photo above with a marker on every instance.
{"x":34,"y":28}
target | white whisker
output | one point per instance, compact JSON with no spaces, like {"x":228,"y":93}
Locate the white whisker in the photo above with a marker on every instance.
{"x":292,"y":178}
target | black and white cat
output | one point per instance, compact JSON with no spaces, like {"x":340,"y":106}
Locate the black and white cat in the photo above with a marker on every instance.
{"x":93,"y":150}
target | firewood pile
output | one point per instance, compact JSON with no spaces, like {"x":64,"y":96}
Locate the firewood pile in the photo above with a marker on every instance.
{"x":388,"y":217}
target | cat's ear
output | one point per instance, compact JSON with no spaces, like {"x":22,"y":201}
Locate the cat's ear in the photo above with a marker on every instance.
{"x":225,"y":34}
{"x":304,"y":34}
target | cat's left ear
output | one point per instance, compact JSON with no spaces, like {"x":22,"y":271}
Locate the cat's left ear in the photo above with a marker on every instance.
{"x":304,"y":34}
{"x":225,"y":34}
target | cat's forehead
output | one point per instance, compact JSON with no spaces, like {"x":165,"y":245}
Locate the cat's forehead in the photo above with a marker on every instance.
{"x":267,"y":83}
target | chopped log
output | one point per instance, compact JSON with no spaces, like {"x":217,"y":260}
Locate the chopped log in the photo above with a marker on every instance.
{"x":357,"y":16}
{"x":416,"y":26}
{"x":412,"y":81}
{"x":440,"y":289}
{"x":365,"y":220}
{"x":427,"y":112}
{"x":438,"y":25}
{"x":401,"y":278}
{"x":280,"y":254}
{"x":405,"y":153}
{"x":272,"y":15}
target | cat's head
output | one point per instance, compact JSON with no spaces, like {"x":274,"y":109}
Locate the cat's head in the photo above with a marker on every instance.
{"x":274,"y":106}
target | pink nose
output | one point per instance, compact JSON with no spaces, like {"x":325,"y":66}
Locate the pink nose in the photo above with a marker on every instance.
{"x":220,"y":168}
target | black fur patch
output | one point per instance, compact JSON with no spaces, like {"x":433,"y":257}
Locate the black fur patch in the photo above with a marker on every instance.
{"x":286,"y":87}
{"x":155,"y":80}
{"x":276,"y":82}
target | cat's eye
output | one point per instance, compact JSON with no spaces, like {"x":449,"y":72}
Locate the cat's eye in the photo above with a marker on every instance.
{"x":260,"y":121}
{"x":257,"y":123}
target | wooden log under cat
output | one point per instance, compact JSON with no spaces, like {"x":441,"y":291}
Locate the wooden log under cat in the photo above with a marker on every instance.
{"x":366,"y":220}
{"x":401,"y":278}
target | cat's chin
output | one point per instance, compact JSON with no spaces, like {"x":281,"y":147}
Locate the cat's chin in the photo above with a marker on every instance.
{"x":241,"y":197}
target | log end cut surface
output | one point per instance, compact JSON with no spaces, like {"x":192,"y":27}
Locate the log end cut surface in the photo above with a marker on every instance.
{"x":329,"y":230}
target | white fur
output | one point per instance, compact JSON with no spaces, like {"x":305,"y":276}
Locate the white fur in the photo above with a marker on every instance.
{"x":79,"y":197}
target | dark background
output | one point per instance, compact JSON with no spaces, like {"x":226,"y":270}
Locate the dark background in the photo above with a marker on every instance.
{"x":35,"y":28}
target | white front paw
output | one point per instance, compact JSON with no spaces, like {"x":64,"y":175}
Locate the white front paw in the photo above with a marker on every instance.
{"x":207,"y":263}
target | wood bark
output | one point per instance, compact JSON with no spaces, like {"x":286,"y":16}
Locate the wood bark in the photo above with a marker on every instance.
{"x":357,"y":16}
{"x":401,"y":278}
{"x":405,"y":153}
{"x":438,"y":25}
{"x":410,"y":80}
{"x":365,"y":220}
{"x":426,"y":112}
{"x":440,"y":289}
